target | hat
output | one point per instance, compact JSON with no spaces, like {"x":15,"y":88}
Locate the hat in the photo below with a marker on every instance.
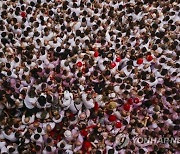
{"x":67,"y":133}
{"x":77,"y":100}
{"x":112,"y":105}
{"x":89,"y":96}
{"x":66,"y":63}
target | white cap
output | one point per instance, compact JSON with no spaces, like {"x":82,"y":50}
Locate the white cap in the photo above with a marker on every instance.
{"x":67,"y":133}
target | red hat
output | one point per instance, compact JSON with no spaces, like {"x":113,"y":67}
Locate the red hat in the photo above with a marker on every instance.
{"x":113,"y":64}
{"x":91,"y":126}
{"x":71,"y":115}
{"x":136,"y":100}
{"x":112,"y":118}
{"x":83,"y":69}
{"x":86,"y":145}
{"x":84,"y":133}
{"x":139,"y":61}
{"x":96,"y":54}
{"x":23,"y":14}
{"x":118,"y":59}
{"x":79,"y":64}
{"x":149,"y":57}
{"x":58,"y":138}
{"x":118,"y":124}
{"x":126,"y":107}
{"x":96,"y":106}
{"x":130,"y":101}
{"x":52,"y":133}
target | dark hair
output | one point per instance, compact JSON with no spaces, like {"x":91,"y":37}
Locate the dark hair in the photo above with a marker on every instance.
{"x":38,"y":148}
{"x":155,"y":116}
{"x":16,"y":125}
{"x":176,"y":127}
{"x":17,"y":134}
{"x":107,"y":72}
{"x":60,"y":151}
{"x":79,"y":74}
{"x":164,"y":71}
{"x":62,"y":145}
{"x":48,"y":148}
{"x":36,"y":136}
{"x":141,"y":151}
{"x":98,"y":152}
{"x":11,"y":150}
{"x":49,"y":140}
{"x":42,"y":100}
{"x":39,"y":129}
{"x":49,"y":98}
{"x":122,"y":86}
{"x":27,"y":135}
{"x":111,"y":151}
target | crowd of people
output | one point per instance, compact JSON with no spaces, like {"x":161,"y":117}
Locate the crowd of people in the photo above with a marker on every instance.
{"x":77,"y":75}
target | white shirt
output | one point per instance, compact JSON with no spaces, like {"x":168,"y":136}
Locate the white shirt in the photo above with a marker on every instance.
{"x":10,"y":137}
{"x":30,"y":102}
{"x":67,"y":99}
{"x":88,"y":104}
